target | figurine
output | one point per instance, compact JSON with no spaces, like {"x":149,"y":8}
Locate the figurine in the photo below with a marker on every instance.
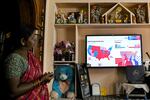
{"x":126,"y":18}
{"x":58,"y":18}
{"x":80,"y":17}
{"x":95,"y":14}
{"x":63,"y":18}
{"x":67,"y":44}
{"x":64,"y":51}
{"x":140,"y":14}
{"x":134,"y":19}
{"x":85,"y":17}
{"x":103,"y":20}
{"x":111,"y":18}
{"x":118,"y":14}
{"x":71,"y":18}
{"x":57,"y":52}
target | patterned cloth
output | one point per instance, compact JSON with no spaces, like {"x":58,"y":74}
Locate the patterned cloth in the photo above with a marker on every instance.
{"x":15,"y":66}
{"x":30,"y":70}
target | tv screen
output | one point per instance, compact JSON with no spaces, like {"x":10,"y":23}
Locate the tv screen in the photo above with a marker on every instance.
{"x":114,"y":50}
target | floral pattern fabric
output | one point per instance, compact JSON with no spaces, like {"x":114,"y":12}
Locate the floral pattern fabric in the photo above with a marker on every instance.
{"x":15,"y":65}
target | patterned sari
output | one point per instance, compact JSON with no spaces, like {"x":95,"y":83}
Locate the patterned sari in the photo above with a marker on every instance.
{"x":34,"y":72}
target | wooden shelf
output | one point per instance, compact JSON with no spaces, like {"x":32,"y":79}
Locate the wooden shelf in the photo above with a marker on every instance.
{"x":114,"y":26}
{"x":62,"y":62}
{"x":64,"y":25}
{"x":122,"y":25}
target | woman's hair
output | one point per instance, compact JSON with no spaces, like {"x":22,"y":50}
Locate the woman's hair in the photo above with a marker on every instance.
{"x":23,"y":32}
{"x":14,"y":41}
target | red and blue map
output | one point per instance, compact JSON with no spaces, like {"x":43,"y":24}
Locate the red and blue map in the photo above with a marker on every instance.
{"x":99,"y":52}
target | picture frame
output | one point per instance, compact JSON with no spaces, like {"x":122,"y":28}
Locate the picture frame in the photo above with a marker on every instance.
{"x":84,"y":81}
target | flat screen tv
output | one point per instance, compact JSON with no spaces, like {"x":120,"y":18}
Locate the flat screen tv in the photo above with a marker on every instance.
{"x":115,"y":50}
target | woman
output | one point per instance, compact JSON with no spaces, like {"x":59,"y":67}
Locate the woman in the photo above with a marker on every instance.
{"x":23,"y":69}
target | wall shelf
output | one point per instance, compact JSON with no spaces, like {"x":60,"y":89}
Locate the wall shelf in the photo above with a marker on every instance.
{"x":76,"y":32}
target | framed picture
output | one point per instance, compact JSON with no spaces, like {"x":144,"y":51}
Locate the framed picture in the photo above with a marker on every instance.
{"x":84,"y":81}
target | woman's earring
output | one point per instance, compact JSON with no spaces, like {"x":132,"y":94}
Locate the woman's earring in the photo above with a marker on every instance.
{"x":22,"y":42}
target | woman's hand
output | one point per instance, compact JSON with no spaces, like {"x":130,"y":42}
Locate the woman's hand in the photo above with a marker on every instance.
{"x":46,"y":77}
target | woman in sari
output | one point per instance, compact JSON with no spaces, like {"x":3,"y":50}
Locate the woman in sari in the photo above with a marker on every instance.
{"x":23,"y":70}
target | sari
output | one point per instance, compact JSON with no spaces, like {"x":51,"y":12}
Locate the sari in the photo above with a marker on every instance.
{"x":33,"y":72}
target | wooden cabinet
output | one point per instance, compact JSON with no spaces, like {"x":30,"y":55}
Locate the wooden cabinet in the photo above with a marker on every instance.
{"x":108,"y":23}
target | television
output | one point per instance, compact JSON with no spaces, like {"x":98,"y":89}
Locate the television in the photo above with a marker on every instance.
{"x":113,"y":50}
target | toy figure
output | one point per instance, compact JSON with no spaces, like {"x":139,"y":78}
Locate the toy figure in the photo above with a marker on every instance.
{"x":67,"y":51}
{"x":63,"y":18}
{"x":118,"y":13}
{"x":85,"y":17}
{"x":134,"y":19}
{"x":63,"y":84}
{"x":58,"y":18}
{"x":80,"y":17}
{"x":95,"y":14}
{"x":116,"y":16}
{"x":111,"y":18}
{"x":64,"y":51}
{"x":71,"y":18}
{"x":126,"y":18}
{"x":140,"y":14}
{"x":57,"y":52}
